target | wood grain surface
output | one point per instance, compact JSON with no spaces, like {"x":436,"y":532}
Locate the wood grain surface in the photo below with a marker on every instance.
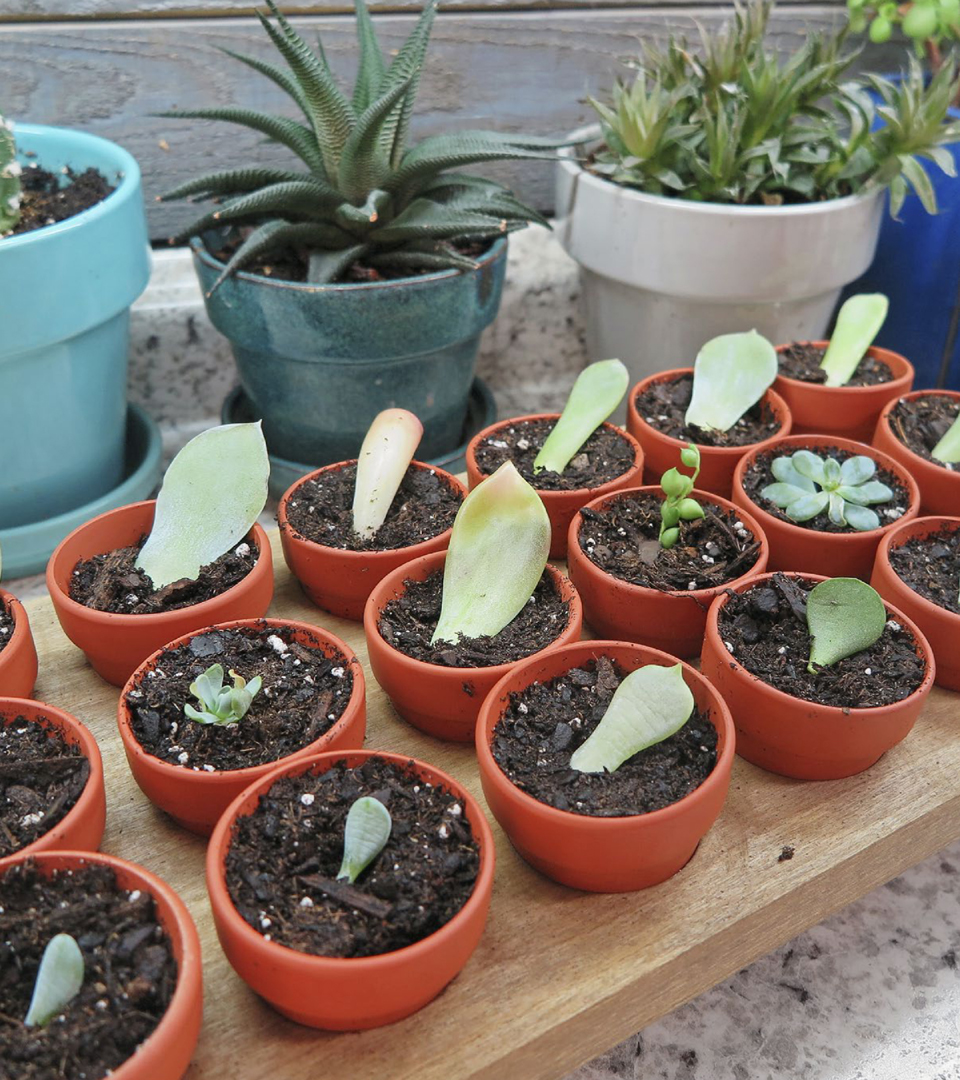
{"x":559,"y":975}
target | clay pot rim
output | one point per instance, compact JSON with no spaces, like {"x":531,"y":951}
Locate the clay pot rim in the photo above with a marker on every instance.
{"x":21,"y":624}
{"x":490,"y":713}
{"x":117,"y":620}
{"x":770,"y":396}
{"x":819,"y":442}
{"x":916,"y":460}
{"x":411,"y":551}
{"x":86,"y":802}
{"x":421,"y":668}
{"x":644,"y":591}
{"x":274,"y":951}
{"x":903,"y":370}
{"x":182,"y":932}
{"x":837,"y":712}
{"x":252,"y":773}
{"x":568,"y":493}
{"x":917,"y":526}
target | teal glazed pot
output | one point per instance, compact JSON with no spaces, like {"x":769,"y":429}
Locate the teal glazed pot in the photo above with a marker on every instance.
{"x":66,"y":291}
{"x":318,"y":362}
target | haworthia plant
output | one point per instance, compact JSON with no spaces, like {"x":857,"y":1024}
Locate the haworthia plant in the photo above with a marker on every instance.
{"x":678,"y":506}
{"x":844,"y":616}
{"x":807,"y":485}
{"x":10,"y":171}
{"x":223,"y":705}
{"x":651,"y":704}
{"x":599,"y":389}
{"x":212,"y":494}
{"x":731,"y":374}
{"x":59,"y":979}
{"x":497,"y":554}
{"x":858,"y":323}
{"x":388,"y":448}
{"x":365,"y":835}
{"x":947,"y":449}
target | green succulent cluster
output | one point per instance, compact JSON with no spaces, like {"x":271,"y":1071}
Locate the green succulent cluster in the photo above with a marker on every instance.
{"x":219,"y":704}
{"x":9,"y":178}
{"x":808,"y":485}
{"x":678,"y":506}
{"x":922,"y":20}
{"x":365,"y":195}
{"x":732,"y":122}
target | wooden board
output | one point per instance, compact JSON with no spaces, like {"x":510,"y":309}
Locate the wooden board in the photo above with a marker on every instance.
{"x":559,"y":975}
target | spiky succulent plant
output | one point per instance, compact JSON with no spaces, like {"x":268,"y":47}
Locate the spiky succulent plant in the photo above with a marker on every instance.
{"x":365,"y":195}
{"x":9,"y":178}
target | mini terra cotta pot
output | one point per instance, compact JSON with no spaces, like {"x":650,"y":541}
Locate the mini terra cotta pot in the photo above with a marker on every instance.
{"x":18,"y":657}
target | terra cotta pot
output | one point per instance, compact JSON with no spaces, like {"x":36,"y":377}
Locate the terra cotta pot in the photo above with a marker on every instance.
{"x":18,"y":658}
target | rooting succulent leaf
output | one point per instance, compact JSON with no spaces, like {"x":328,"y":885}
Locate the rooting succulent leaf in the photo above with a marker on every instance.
{"x":59,"y":979}
{"x":365,"y":835}
{"x":651,"y":704}
{"x":807,"y":485}
{"x":212,"y":494}
{"x":223,"y":705}
{"x":844,"y":616}
{"x":678,"y":506}
{"x":10,"y":171}
{"x":858,"y":323}
{"x":947,"y":449}
{"x":731,"y":374}
{"x":599,"y":389}
{"x":388,"y":448}
{"x":498,"y":550}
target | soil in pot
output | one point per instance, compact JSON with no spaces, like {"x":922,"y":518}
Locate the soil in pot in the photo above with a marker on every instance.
{"x":51,"y":197}
{"x":765,"y":628}
{"x":321,"y":510}
{"x":663,"y":405}
{"x":602,"y":458}
{"x":111,"y":582}
{"x":801,"y":360}
{"x":407,"y":623}
{"x":930,"y":565}
{"x":283,"y":859}
{"x":622,"y":540}
{"x":7,"y":623}
{"x":41,"y":778}
{"x":545,"y":723}
{"x":921,"y":422}
{"x":304,"y":693}
{"x":128,"y":982}
{"x":759,"y":474}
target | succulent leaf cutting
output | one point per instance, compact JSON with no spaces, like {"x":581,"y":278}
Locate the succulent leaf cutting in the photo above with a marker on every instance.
{"x":219,"y":704}
{"x":59,"y":979}
{"x":844,"y":617}
{"x":807,"y":485}
{"x":365,"y":835}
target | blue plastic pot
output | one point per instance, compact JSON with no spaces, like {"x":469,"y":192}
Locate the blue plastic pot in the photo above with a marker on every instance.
{"x":65,"y":292}
{"x":318,"y":362}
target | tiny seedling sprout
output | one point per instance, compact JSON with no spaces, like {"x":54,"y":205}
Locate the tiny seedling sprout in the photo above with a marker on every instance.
{"x":947,"y":450}
{"x":806,"y":485}
{"x":678,"y":506}
{"x":219,"y":704}
{"x":599,"y":389}
{"x":844,"y":616}
{"x":59,"y":979}
{"x":388,"y":448}
{"x":731,"y":374}
{"x":858,"y":323}
{"x":365,"y":835}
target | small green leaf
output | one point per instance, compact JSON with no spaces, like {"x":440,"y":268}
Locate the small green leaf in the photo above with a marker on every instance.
{"x":651,"y":704}
{"x":673,"y":483}
{"x":731,"y":374}
{"x":388,"y":448}
{"x":690,"y":457}
{"x":947,"y":449}
{"x":690,"y":510}
{"x":808,"y":506}
{"x":857,"y":470}
{"x":599,"y":389}
{"x":59,"y":979}
{"x":783,"y":494}
{"x":809,"y":465}
{"x":861,"y":518}
{"x":873,"y":491}
{"x":365,"y":835}
{"x":858,"y":323}
{"x":669,"y":537}
{"x":844,"y":616}
{"x":784,"y":469}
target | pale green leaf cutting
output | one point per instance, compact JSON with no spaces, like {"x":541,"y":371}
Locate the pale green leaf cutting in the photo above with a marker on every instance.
{"x":844,"y":616}
{"x":59,"y":979}
{"x":498,"y":550}
{"x":947,"y":449}
{"x":365,"y":835}
{"x":599,"y":389}
{"x":388,"y":448}
{"x":858,"y":323}
{"x":212,"y":494}
{"x":731,"y":374}
{"x":651,"y":704}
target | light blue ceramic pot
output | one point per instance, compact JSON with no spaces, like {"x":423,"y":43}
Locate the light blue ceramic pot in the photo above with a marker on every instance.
{"x":65,"y":294}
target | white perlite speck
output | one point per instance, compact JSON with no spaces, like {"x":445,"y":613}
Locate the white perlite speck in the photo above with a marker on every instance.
{"x":307,"y":799}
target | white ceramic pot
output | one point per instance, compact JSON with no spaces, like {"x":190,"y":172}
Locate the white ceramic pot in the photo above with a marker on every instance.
{"x":661,"y":276}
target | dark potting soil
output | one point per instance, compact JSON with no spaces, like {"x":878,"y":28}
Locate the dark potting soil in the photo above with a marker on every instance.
{"x":765,"y":628}
{"x":321,"y":510}
{"x":303,"y":694}
{"x":7,"y":624}
{"x":408,"y":622}
{"x":112,"y":582}
{"x":930,"y":565}
{"x":921,"y":423}
{"x":622,"y":539}
{"x":759,"y":475}
{"x":545,"y":723}
{"x":664,"y":404}
{"x":801,"y":360}
{"x":45,"y":201}
{"x":283,"y":860}
{"x":129,"y":978}
{"x":602,"y":458}
{"x":41,"y":778}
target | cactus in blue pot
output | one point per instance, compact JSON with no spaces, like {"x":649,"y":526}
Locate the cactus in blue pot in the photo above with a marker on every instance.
{"x":9,"y":178}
